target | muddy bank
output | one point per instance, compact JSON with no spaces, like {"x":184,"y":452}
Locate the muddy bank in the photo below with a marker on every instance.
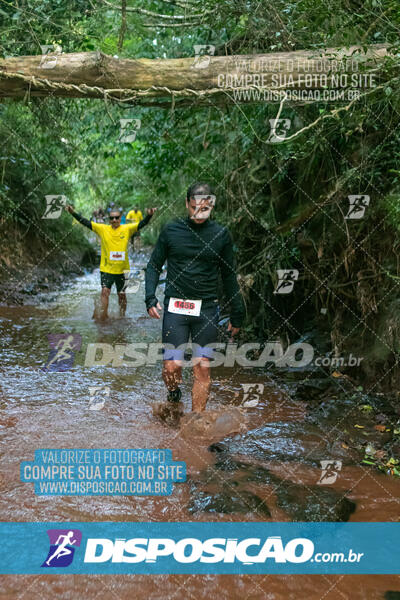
{"x":275,"y":470}
{"x":365,"y":425}
{"x":30,"y":265}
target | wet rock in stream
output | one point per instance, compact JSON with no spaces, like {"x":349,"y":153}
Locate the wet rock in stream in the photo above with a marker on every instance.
{"x":281,"y":441}
{"x":226,"y":488}
{"x":242,"y":476}
{"x":313,"y":503}
{"x":333,"y":411}
{"x":229,"y":502}
{"x":311,"y":389}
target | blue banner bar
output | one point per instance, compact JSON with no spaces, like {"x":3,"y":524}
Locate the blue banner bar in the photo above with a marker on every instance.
{"x":206,"y":548}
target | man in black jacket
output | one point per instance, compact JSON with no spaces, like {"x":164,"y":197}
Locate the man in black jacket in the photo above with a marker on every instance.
{"x":197,"y":250}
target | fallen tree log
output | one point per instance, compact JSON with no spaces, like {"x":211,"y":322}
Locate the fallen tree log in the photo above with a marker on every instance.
{"x":199,"y":79}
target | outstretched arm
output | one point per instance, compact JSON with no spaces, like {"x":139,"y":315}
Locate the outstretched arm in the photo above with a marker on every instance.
{"x":143,"y":222}
{"x":78,"y":217}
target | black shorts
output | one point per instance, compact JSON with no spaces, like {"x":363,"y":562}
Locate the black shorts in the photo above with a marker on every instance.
{"x":107,"y":280}
{"x":177,"y":329}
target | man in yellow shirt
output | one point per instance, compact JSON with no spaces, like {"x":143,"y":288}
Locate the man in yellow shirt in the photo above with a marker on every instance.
{"x":114,"y":253}
{"x":135,"y":216}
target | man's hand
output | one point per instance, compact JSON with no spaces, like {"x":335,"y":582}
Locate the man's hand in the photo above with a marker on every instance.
{"x":69,"y":208}
{"x":153,"y":311}
{"x":151,"y":211}
{"x":233,"y":330}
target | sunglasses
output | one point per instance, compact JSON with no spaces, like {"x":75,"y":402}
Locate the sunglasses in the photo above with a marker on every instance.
{"x":115,"y":218}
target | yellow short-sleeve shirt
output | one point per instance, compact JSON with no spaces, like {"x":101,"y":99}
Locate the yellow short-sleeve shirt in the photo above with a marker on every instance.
{"x":134,"y":216}
{"x":114,"y":246}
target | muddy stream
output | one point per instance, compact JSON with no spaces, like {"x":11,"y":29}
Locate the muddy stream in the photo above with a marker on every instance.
{"x":267,"y":472}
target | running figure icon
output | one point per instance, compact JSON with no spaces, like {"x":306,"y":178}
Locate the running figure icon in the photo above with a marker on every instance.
{"x":286,"y":280}
{"x":62,"y":549}
{"x":62,"y":348}
{"x":357,"y":206}
{"x":62,"y":351}
{"x":63,"y":543}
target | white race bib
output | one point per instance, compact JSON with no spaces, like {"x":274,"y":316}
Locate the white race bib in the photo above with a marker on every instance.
{"x":116,"y":255}
{"x":184,"y":307}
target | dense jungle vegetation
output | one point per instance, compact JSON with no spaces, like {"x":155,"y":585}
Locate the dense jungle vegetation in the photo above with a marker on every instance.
{"x":284,"y":203}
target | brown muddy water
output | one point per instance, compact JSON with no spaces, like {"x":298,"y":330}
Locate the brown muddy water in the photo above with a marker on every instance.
{"x":274,"y":466}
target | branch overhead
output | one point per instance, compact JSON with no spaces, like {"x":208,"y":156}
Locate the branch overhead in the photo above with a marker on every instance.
{"x":96,"y":75}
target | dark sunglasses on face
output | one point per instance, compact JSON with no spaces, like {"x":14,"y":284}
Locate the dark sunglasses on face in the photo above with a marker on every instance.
{"x":114,"y":218}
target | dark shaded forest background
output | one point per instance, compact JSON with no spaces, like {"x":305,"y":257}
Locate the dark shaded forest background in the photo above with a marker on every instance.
{"x":284,"y":203}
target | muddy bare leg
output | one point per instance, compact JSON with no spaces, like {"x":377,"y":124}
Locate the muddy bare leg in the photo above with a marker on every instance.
{"x":122,"y":303}
{"x":105,"y":294}
{"x":201,"y":385}
{"x":171,"y":411}
{"x":172,"y":374}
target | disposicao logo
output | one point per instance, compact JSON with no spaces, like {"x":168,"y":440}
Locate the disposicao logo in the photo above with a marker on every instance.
{"x":62,"y":547}
{"x":191,"y":550}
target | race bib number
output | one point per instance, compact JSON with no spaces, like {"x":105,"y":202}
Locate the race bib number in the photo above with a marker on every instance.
{"x":184,"y":307}
{"x":117,"y":255}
